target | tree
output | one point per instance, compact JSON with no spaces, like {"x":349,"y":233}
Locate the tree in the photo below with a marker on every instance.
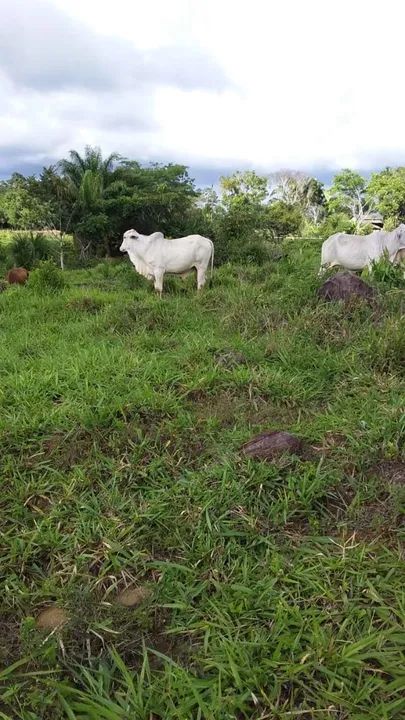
{"x":299,"y":190}
{"x":283,"y":219}
{"x":386,"y":190}
{"x":348,"y":195}
{"x":157,"y":197}
{"x":99,"y":171}
{"x":86,"y":181}
{"x":20,"y":208}
{"x":244,"y":187}
{"x":333,"y":223}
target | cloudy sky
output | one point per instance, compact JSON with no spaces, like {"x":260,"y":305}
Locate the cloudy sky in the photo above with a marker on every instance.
{"x":214,"y":84}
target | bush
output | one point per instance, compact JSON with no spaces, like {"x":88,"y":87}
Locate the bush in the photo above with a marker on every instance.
{"x":22,"y":251}
{"x":337,"y":222}
{"x":3,"y":256}
{"x":47,"y":278}
{"x":254,"y":253}
{"x":42,"y":247}
{"x":385,"y":272}
{"x":29,"y":249}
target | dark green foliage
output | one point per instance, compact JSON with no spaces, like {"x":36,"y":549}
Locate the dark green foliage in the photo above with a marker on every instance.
{"x":4,"y":256}
{"x":283,"y":219}
{"x":22,"y":251}
{"x":42,"y":246}
{"x":256,"y":253}
{"x":336,"y":222}
{"x":387,"y":190}
{"x":47,"y":278}
{"x":388,"y":273}
{"x":28,"y":249}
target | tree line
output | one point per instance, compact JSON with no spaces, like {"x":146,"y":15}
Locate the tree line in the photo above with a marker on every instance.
{"x":96,"y":198}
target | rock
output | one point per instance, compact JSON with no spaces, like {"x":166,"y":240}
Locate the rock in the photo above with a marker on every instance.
{"x":133,"y":596}
{"x":269,"y":445}
{"x":17,"y":276}
{"x":51,"y":618}
{"x":345,"y":285}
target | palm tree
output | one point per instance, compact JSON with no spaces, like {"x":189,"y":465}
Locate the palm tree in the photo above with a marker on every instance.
{"x":88,"y":176}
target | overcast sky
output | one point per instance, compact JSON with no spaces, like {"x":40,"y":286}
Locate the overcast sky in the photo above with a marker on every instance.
{"x":214,"y":84}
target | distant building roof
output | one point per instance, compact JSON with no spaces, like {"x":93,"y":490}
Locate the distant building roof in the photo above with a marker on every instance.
{"x":373,"y":218}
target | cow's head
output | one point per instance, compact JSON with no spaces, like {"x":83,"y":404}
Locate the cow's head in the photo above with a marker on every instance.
{"x":127,"y":240}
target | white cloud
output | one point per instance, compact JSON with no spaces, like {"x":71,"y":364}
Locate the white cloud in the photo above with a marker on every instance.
{"x":217,"y":84}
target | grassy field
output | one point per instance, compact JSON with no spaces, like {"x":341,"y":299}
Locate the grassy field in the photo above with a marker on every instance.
{"x":253,"y":590}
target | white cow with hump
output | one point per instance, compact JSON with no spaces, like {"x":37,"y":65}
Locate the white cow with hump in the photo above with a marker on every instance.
{"x":355,"y":252}
{"x":154,"y":255}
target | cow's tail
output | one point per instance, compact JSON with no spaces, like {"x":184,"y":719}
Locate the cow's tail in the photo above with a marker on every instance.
{"x":212,"y":263}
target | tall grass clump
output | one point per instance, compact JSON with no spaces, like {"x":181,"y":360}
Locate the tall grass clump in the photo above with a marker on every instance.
{"x":47,"y":278}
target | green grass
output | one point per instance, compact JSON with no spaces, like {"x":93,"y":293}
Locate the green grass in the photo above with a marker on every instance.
{"x":276,"y":590}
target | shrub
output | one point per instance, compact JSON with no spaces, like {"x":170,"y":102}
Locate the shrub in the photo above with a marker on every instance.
{"x":254,"y":253}
{"x":4,"y":255}
{"x":42,"y":247}
{"x":47,"y":278}
{"x":22,"y":251}
{"x":385,"y":272}
{"x":28,"y":249}
{"x":337,"y":222}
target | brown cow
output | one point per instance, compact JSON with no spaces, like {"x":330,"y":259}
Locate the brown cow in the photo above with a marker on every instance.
{"x":18,"y":276}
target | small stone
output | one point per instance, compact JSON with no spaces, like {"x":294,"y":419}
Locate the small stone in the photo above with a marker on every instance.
{"x":51,"y":618}
{"x":133,"y":596}
{"x":269,"y":445}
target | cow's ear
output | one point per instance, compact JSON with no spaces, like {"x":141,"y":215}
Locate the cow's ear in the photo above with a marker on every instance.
{"x":157,"y":236}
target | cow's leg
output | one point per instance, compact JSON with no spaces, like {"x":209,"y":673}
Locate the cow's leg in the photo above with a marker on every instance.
{"x":201,"y":277}
{"x":159,"y":281}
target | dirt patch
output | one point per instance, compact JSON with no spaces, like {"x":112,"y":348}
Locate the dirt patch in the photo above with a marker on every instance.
{"x":390,"y":471}
{"x":69,"y":450}
{"x":223,"y":407}
{"x":246,"y":404}
{"x":198,"y":395}
{"x":378,"y":518}
{"x":10,"y":645}
{"x":370,"y":520}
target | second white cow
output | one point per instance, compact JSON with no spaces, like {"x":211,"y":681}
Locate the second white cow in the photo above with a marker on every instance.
{"x":356,"y":252}
{"x":154,"y":255}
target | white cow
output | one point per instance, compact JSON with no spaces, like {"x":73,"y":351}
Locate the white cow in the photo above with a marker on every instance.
{"x":154,"y":255}
{"x":355,"y":252}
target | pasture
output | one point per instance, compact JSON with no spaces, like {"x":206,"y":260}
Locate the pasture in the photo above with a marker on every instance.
{"x":260,"y":590}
